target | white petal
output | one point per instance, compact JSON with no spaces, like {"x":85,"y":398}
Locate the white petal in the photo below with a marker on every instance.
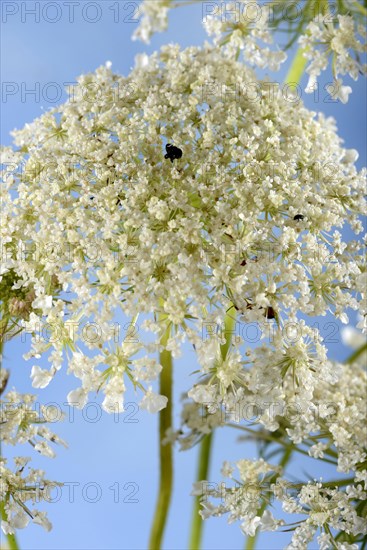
{"x":40,"y":377}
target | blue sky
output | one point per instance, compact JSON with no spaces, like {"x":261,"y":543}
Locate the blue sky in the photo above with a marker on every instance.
{"x":118,"y":452}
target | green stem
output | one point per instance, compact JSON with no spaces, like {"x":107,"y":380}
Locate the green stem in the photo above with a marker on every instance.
{"x":11,"y":539}
{"x":268,"y":437}
{"x":335,"y":483}
{"x":356,"y":354}
{"x":251,"y":541}
{"x":165,"y":451}
{"x":361,"y":9}
{"x":202,"y":474}
{"x":229,"y":323}
{"x":182,"y":4}
{"x":299,"y":62}
{"x":297,"y":68}
{"x":206,"y":447}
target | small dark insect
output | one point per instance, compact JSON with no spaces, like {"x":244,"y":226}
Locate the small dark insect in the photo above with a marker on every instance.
{"x":298,"y":217}
{"x":253,"y":259}
{"x":172,"y":152}
{"x":248,"y":306}
{"x":270,"y":313}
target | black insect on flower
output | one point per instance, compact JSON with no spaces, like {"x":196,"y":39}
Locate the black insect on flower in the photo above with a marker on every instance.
{"x":298,"y":217}
{"x":270,"y":313}
{"x":248,"y":306}
{"x":172,"y":152}
{"x":253,"y":259}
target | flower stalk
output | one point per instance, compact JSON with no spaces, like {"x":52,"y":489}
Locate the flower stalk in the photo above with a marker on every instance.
{"x":165,"y":450}
{"x":206,"y":448}
{"x":251,"y":541}
{"x":297,"y":68}
{"x":11,"y":539}
{"x":202,"y":473}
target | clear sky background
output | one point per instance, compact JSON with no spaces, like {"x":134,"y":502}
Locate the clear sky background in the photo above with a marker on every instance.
{"x":38,"y":54}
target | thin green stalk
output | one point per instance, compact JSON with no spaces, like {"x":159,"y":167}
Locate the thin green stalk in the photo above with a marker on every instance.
{"x":333,"y":483}
{"x":361,"y":9}
{"x":165,"y":451}
{"x":229,"y":323}
{"x":11,"y":539}
{"x":297,"y":68}
{"x":251,"y":541}
{"x":202,"y":474}
{"x":356,"y":354}
{"x":182,"y":3}
{"x":206,"y":445}
{"x":299,"y":62}
{"x":267,"y":437}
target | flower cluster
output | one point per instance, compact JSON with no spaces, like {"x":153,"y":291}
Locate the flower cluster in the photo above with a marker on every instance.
{"x":16,"y":489}
{"x":196,"y":422}
{"x":331,"y":425}
{"x":154,"y":19}
{"x":345,"y":41}
{"x":167,"y":196}
{"x":22,"y":423}
{"x":245,"y":217}
{"x":326,"y":508}
{"x":325,"y":505}
{"x":243,"y":500}
{"x":244,"y":28}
